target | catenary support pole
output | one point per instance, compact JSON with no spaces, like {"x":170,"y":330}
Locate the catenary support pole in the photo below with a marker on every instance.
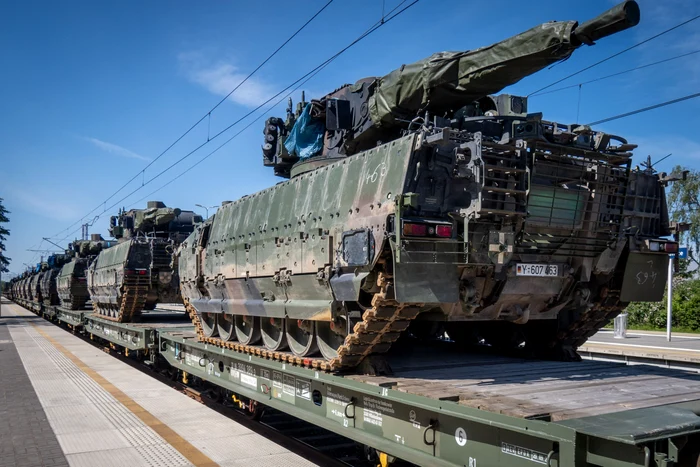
{"x":669,"y":300}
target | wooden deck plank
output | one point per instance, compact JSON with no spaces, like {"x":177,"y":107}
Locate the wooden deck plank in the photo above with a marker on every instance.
{"x":534,"y":389}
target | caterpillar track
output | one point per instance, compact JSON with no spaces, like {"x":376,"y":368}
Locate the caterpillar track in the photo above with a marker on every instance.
{"x":380,"y":327}
{"x":131,"y":301}
{"x":593,"y":319}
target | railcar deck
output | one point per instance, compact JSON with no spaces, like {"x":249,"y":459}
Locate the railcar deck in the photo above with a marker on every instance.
{"x":445,"y":407}
{"x":531,"y":389}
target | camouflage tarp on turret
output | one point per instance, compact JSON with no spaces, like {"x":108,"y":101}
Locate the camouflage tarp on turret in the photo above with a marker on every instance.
{"x":448,"y":80}
{"x":149,"y":218}
{"x":90,"y":248}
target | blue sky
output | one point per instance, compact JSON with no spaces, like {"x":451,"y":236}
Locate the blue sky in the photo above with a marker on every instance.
{"x":91,"y":92}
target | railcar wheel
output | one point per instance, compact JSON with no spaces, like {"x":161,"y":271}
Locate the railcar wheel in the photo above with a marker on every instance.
{"x":274,"y":333}
{"x":330,"y":335}
{"x":301,"y":336}
{"x":247,"y":329}
{"x":227,"y":327}
{"x":209,"y":327}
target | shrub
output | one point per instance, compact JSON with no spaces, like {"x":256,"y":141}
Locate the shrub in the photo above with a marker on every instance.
{"x":686,"y":308}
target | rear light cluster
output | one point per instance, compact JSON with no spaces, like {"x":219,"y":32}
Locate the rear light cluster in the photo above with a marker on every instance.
{"x":415,"y":229}
{"x":135,"y":272}
{"x":668,"y":247}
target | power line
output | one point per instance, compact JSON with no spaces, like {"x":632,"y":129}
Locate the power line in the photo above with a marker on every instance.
{"x":298,"y":83}
{"x":645,"y":109}
{"x":228,"y":140}
{"x":207,"y":114}
{"x":615,"y":55}
{"x":616,"y":74}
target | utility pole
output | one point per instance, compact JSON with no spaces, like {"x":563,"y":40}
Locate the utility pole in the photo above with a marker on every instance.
{"x":676,"y":229}
{"x":669,"y":300}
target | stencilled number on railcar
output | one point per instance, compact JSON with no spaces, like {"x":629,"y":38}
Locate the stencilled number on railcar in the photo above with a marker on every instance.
{"x":379,"y":172}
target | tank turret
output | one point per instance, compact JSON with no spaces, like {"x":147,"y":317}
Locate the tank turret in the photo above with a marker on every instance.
{"x":357,"y":117}
{"x":140,"y":270}
{"x":157,"y":220}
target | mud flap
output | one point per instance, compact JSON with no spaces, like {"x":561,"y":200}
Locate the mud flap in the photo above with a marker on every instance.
{"x":426,"y":283}
{"x":346,"y":287}
{"x":645,"y":277}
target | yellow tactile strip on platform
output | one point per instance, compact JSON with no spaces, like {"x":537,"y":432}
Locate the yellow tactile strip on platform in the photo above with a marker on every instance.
{"x":191,"y":453}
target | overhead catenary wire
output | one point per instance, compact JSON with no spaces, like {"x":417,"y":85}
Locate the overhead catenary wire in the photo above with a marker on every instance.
{"x":257,"y":119}
{"x":298,"y":83}
{"x":629,"y":70}
{"x":617,"y":54}
{"x":205,"y":116}
{"x":645,"y":109}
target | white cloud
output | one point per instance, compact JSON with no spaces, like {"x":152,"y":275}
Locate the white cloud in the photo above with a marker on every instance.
{"x":221,"y":77}
{"x":43,"y":204}
{"x":116,"y":149}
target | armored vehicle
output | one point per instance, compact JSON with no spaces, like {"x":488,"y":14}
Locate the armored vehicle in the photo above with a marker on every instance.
{"x":419,"y":197}
{"x":138,"y":271}
{"x":17,"y":287}
{"x":11,"y":290}
{"x":22,"y":286}
{"x":34,"y":285}
{"x":47,"y":278}
{"x":25,"y":285}
{"x":72,"y":280}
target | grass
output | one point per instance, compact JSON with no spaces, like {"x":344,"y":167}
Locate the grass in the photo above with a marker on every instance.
{"x":647,"y":327}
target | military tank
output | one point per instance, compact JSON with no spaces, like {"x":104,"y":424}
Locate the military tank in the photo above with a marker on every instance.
{"x":139,"y":272}
{"x":22,"y":286}
{"x":419,"y":198}
{"x":17,"y":287}
{"x":72,"y":280}
{"x":13,"y":294}
{"x":47,"y":278}
{"x":34,"y":285}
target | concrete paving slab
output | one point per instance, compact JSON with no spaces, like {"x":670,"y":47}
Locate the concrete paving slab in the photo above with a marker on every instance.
{"x":101,"y":411}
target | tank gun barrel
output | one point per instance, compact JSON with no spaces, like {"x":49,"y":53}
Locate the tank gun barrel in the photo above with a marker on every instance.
{"x":448,"y":80}
{"x":618,"y":18}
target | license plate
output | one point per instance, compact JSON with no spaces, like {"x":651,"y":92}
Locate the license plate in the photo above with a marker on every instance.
{"x":538,"y":270}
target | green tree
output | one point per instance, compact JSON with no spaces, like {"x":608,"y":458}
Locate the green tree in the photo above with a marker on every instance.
{"x":684,"y":205}
{"x":4,"y":260}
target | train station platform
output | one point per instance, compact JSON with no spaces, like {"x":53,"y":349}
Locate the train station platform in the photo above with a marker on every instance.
{"x":64,"y":402}
{"x":645,"y":347}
